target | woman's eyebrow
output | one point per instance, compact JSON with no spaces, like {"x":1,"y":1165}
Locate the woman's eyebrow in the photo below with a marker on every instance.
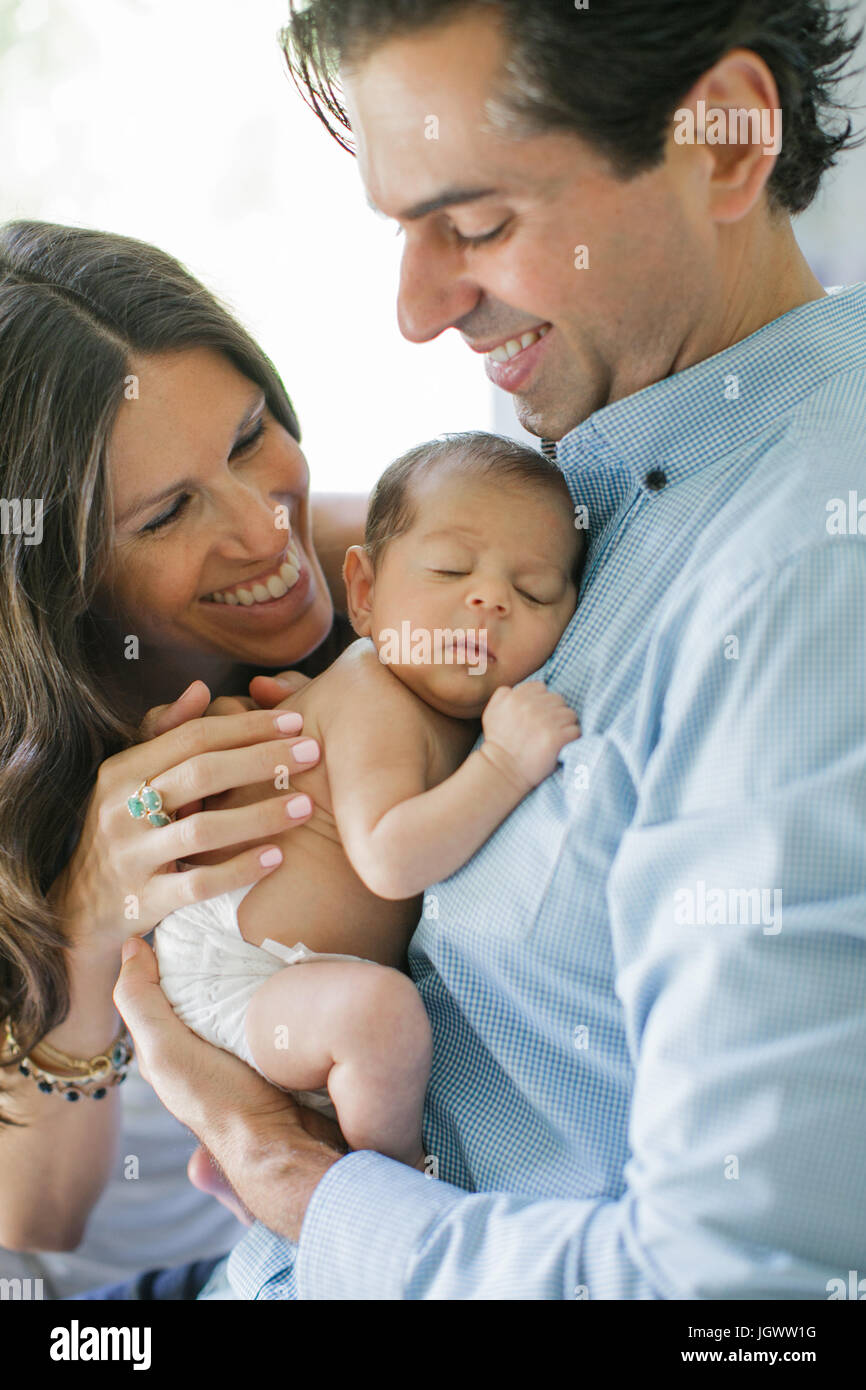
{"x":140,"y":503}
{"x":255,"y":405}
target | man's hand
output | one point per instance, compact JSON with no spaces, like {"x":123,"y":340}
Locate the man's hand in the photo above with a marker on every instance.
{"x":272,"y":1151}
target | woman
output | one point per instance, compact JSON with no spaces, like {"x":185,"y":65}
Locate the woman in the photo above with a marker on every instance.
{"x":156,"y":530}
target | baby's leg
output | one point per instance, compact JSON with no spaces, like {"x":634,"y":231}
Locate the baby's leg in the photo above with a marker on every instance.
{"x":360,"y":1029}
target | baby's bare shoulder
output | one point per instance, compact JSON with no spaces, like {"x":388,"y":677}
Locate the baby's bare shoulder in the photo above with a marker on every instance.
{"x":359,"y":672}
{"x":359,"y":683}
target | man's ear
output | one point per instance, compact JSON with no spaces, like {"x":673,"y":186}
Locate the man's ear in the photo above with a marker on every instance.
{"x":359,"y":578}
{"x":732,"y":122}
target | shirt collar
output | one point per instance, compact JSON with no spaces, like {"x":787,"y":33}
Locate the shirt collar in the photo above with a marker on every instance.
{"x":675,"y":427}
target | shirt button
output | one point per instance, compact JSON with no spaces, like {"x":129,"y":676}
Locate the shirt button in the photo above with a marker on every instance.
{"x":655,"y":479}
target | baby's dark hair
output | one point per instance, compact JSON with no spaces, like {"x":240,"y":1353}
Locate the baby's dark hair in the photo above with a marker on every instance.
{"x":391,"y":512}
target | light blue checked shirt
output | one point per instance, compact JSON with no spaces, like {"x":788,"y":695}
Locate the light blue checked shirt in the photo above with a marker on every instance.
{"x":648,"y":989}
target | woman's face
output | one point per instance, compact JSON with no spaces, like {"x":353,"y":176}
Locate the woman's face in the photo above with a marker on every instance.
{"x":213,"y":547}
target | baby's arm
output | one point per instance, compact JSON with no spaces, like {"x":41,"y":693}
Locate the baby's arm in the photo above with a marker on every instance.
{"x":400,"y":836}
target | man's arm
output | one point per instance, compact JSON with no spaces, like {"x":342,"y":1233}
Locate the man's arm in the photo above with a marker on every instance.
{"x":750,"y":1044}
{"x":745,"y":1179}
{"x":271,"y":1150}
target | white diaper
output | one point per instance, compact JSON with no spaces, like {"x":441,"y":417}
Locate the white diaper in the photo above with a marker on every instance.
{"x":209,"y":974}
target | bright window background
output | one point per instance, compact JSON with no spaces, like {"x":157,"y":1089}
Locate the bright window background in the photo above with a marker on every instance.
{"x":175,"y":121}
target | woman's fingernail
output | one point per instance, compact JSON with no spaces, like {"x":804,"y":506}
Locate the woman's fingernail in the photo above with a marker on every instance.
{"x":306,"y":752}
{"x":299,"y":806}
{"x":290,"y":723}
{"x":129,"y":949}
{"x":270,"y":856}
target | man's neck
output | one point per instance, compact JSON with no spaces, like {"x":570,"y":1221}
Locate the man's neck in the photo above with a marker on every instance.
{"x":765,"y":275}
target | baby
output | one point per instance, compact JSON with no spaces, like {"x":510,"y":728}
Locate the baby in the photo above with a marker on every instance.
{"x":465,"y":583}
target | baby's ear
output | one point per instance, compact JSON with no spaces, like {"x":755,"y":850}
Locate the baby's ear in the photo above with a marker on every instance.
{"x":358,"y":577}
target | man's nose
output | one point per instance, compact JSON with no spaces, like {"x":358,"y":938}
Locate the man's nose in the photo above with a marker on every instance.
{"x":434,"y":292}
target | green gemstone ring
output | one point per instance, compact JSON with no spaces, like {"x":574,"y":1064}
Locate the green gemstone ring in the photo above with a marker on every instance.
{"x":147,"y":801}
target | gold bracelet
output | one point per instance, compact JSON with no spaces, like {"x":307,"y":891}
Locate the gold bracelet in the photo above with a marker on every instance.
{"x":80,"y":1076}
{"x":80,"y":1068}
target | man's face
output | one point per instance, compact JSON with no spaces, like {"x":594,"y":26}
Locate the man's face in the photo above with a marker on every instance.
{"x":492,"y":227}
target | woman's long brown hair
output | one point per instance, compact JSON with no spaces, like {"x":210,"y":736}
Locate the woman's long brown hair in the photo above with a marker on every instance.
{"x":75,"y":305}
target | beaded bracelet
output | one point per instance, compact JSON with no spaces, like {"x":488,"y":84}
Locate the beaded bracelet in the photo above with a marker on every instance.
{"x":94,"y":1077}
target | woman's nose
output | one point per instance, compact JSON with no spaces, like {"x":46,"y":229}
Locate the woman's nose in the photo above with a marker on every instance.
{"x":253,"y":525}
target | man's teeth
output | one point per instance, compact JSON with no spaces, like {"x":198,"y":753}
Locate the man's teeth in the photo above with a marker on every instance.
{"x":264,"y":590}
{"x":506,"y":351}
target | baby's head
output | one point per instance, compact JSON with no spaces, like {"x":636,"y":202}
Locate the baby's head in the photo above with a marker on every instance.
{"x":466,"y":535}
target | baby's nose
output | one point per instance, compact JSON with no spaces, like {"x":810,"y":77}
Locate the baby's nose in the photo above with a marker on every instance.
{"x":489,"y":598}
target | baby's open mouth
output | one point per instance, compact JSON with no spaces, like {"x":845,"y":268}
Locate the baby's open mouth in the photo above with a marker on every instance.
{"x":265,"y":587}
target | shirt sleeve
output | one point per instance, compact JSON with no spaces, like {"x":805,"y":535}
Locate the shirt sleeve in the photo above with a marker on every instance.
{"x":738,"y":910}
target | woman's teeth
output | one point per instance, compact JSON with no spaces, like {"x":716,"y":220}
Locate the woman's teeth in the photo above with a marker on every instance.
{"x":266,"y":589}
{"x":506,"y":351}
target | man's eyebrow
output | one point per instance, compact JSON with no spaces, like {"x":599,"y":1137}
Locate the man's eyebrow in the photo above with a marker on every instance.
{"x":141,"y":503}
{"x":450,"y":198}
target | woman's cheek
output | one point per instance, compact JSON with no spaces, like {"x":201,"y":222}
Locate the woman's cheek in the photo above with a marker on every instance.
{"x":157,"y":593}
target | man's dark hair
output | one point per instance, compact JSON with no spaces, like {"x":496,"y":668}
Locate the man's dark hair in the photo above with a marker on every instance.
{"x":505,"y":461}
{"x":614,"y":73}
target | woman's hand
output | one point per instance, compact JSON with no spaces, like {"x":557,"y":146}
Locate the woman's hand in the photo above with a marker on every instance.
{"x":122,"y":877}
{"x":266,"y":692}
{"x":269,"y":691}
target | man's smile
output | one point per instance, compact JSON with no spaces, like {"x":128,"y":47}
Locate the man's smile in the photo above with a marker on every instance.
{"x":508,"y":364}
{"x":502,"y":349}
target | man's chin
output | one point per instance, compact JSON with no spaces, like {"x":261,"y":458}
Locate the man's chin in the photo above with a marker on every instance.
{"x":547,"y":419}
{"x":544,"y":423}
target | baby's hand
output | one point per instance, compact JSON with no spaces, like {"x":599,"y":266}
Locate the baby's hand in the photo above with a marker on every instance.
{"x":526,"y":727}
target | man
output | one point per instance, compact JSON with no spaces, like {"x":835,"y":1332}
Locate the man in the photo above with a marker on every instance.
{"x":646,"y":991}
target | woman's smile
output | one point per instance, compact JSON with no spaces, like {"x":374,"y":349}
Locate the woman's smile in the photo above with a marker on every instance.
{"x":271,"y":584}
{"x":273,"y":611}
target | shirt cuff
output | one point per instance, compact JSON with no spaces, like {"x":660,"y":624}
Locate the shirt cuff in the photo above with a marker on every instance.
{"x":261,"y":1265}
{"x":366,"y":1218}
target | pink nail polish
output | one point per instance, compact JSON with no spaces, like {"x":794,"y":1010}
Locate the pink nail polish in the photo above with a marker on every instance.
{"x":270,"y":856}
{"x":306,"y":752}
{"x":290,"y":723}
{"x":299,"y":806}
